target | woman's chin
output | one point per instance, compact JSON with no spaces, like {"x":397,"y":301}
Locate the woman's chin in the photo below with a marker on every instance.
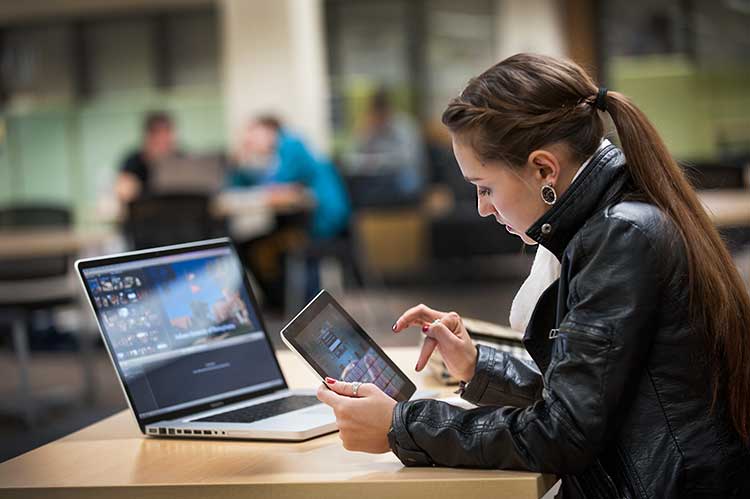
{"x":522,"y":237}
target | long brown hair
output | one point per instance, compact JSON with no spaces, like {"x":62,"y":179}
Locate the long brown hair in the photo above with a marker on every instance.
{"x":529,"y":101}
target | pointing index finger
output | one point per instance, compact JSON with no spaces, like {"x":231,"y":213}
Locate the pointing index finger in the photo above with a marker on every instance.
{"x":416,"y":315}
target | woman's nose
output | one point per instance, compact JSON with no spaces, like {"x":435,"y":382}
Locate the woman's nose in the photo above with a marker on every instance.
{"x":484,"y":207}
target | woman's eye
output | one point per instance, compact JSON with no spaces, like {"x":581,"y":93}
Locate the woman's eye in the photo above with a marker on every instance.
{"x":484,"y":192}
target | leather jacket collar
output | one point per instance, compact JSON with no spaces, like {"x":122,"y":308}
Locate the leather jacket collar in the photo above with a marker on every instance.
{"x":598,"y":183}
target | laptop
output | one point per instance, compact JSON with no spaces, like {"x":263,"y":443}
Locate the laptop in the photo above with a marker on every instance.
{"x":188,"y":174}
{"x":190,"y":347}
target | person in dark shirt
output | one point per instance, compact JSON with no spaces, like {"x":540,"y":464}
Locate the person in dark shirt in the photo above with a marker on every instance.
{"x":159,"y":141}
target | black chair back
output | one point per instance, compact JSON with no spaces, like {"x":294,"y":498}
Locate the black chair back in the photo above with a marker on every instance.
{"x":25,"y":216}
{"x":164,"y":219}
{"x":33,"y":216}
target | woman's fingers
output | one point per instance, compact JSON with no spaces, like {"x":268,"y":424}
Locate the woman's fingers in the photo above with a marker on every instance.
{"x":440,"y":328}
{"x":451,"y":320}
{"x":436,"y":333}
{"x":347,"y":389}
{"x":416,"y":315}
{"x":424,"y":355}
{"x":328,"y":397}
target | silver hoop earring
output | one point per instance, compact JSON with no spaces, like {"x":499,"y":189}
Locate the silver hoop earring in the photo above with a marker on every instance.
{"x":549,"y":195}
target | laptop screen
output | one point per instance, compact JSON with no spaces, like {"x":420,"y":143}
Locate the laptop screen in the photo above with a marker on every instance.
{"x":182,"y":329}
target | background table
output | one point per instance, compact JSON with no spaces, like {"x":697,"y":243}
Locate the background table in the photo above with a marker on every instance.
{"x":112,"y":459}
{"x":727,"y":207}
{"x":43,"y":242}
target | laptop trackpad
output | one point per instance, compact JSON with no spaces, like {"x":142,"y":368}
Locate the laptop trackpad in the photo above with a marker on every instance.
{"x":310,"y":417}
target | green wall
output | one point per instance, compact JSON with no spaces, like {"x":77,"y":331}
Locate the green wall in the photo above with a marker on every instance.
{"x":696,"y":107}
{"x":70,"y":152}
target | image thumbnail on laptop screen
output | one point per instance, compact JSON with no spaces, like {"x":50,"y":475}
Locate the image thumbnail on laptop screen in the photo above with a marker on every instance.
{"x":182,"y":329}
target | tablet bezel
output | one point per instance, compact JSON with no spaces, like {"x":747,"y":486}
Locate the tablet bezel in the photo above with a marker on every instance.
{"x":310,"y":313}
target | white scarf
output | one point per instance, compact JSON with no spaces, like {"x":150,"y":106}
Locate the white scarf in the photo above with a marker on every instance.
{"x":544,"y":271}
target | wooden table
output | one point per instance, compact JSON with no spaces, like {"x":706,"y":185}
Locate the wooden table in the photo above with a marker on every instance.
{"x":42,"y":242}
{"x":727,"y":207}
{"x":250,"y":212}
{"x":279,"y":199}
{"x":259,"y":200}
{"x":111,"y":460}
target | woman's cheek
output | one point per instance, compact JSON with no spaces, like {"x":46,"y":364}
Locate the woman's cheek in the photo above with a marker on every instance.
{"x":504,"y":212}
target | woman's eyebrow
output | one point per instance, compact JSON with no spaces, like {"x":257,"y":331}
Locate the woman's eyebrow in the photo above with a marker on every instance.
{"x":473,"y":179}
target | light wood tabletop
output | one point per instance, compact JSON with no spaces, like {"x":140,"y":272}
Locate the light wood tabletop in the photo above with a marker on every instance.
{"x":274,"y":199}
{"x":727,"y":207}
{"x":49,"y":241}
{"x":111,"y":459}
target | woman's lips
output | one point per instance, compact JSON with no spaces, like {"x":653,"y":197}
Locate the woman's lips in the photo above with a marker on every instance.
{"x":509,"y":229}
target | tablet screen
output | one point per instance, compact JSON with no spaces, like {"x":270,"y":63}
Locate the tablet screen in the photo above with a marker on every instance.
{"x":336,"y":346}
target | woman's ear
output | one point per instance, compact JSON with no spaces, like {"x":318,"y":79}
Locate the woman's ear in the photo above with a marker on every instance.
{"x":545,"y":167}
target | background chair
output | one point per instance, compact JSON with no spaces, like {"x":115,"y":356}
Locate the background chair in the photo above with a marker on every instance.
{"x":30,"y":285}
{"x":164,"y":219}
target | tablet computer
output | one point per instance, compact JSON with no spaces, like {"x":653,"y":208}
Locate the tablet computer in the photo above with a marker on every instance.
{"x":332,"y":344}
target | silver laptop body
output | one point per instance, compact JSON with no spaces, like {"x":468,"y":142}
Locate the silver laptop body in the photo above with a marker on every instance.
{"x":190,"y":348}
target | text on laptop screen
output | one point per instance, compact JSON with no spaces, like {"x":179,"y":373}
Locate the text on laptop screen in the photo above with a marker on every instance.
{"x":182,"y":329}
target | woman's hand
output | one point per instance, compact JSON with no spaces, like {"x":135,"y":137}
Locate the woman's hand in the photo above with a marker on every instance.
{"x":446,"y":331}
{"x":364,"y":420}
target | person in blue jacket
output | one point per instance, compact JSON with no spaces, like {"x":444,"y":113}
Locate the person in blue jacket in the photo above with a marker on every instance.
{"x":271,"y":155}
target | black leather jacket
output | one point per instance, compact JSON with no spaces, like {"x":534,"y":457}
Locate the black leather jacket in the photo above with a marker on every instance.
{"x":621,"y":404}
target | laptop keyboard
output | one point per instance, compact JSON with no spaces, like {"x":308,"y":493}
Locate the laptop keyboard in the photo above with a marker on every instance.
{"x":262,"y":411}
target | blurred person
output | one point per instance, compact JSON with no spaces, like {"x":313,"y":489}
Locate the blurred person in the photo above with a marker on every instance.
{"x":158,"y":142}
{"x":389,"y":145}
{"x":272,"y":157}
{"x":634,"y":312}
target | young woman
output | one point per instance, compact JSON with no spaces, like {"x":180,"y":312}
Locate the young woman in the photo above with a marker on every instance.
{"x":643,"y":342}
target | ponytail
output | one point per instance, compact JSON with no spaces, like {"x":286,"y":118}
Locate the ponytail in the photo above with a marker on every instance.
{"x":719,"y":301}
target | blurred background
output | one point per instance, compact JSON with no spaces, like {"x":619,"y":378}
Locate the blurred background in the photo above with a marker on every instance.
{"x":309,"y":132}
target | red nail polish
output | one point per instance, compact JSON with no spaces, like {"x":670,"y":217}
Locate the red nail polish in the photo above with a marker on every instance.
{"x":425,"y":328}
{"x":330,"y":381}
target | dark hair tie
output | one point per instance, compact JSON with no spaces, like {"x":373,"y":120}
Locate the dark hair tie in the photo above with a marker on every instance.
{"x":600,"y":102}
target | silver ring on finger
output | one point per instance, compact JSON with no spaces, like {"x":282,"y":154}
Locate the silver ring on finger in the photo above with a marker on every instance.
{"x":355,"y":388}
